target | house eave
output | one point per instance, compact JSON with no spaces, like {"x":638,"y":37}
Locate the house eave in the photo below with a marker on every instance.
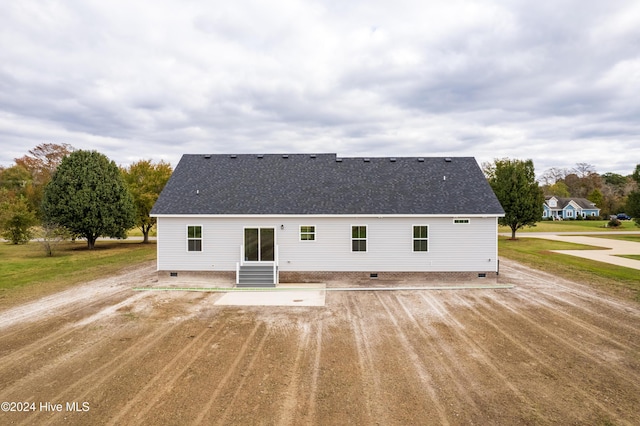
{"x":456,"y":215}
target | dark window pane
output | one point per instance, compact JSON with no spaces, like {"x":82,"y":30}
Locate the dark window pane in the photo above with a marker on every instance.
{"x":195,"y":245}
{"x":420,"y":245}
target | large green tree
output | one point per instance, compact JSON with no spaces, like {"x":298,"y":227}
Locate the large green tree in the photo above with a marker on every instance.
{"x":145,"y":181}
{"x":514,"y":183}
{"x":88,"y":196}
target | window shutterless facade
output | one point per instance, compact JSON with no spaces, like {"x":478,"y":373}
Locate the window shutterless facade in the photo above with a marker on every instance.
{"x":194,"y":238}
{"x":307,"y":233}
{"x":359,"y":238}
{"x":420,"y":238}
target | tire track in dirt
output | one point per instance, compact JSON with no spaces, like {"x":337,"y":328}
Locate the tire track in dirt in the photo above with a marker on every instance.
{"x":313,"y":391}
{"x":418,"y":366}
{"x":366,"y":363}
{"x":240,"y":384}
{"x":539,"y":356}
{"x":96,"y":378}
{"x":84,"y":296}
{"x":569,"y":340}
{"x":291,"y":395}
{"x":543,"y":279}
{"x":456,"y":377}
{"x":89,"y":383}
{"x":485,"y":356}
{"x":599,"y":330}
{"x":231,"y":371}
{"x":67,"y":336}
{"x":165,"y":378}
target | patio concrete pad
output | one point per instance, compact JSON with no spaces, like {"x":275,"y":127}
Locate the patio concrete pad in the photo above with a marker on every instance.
{"x":282,"y":295}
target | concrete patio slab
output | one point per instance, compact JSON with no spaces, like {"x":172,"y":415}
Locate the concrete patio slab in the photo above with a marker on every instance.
{"x":283,"y":295}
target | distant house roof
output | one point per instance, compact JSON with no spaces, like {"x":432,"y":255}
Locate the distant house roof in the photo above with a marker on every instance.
{"x":564,"y":202}
{"x":247,"y":184}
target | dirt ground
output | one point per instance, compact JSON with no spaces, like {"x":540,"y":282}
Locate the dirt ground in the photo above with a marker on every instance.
{"x":545,"y":352}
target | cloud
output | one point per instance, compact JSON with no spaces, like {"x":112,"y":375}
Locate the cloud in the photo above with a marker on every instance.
{"x":554,"y":82}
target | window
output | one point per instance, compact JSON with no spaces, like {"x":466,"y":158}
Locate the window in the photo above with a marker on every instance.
{"x":420,"y":238}
{"x":194,"y":238}
{"x":461,"y":221}
{"x":359,"y":238}
{"x":307,"y":233}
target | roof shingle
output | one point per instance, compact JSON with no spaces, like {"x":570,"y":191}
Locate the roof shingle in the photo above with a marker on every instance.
{"x":324,"y":184}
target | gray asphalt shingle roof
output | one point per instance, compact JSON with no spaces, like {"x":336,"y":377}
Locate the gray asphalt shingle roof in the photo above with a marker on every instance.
{"x":249,"y":184}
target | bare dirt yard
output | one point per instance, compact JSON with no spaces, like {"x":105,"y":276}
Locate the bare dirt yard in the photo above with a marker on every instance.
{"x":545,"y":352}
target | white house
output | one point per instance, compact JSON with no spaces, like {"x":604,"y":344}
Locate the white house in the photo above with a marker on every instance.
{"x":264,"y":219}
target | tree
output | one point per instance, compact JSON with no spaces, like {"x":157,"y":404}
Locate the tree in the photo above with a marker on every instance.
{"x":16,"y":219}
{"x":559,"y":189}
{"x":514,"y":183}
{"x":89,"y":197}
{"x":632,"y":207}
{"x":145,"y":182}
{"x":596,"y":197}
{"x":40,"y":163}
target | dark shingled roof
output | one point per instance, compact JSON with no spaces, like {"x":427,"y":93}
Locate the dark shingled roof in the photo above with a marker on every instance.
{"x":323,"y":184}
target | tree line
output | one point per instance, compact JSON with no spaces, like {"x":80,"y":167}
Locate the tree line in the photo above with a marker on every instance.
{"x":609,"y":191}
{"x":522,"y":197}
{"x":56,"y":192}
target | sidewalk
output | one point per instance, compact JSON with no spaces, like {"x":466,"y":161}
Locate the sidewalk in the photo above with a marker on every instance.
{"x":609,"y":254}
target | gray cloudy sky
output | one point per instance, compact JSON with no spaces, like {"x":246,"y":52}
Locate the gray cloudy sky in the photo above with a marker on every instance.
{"x":555,"y":81}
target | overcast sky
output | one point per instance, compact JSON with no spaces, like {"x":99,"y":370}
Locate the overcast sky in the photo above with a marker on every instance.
{"x":554,"y":81}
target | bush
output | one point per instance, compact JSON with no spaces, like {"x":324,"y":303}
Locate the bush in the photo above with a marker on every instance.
{"x":614,"y":223}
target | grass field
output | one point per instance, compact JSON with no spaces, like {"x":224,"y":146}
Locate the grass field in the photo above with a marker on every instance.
{"x":26,"y":272}
{"x":573,"y":226}
{"x":536,"y":253}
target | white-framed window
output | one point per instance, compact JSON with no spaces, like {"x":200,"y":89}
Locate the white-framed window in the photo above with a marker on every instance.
{"x":420,"y":238}
{"x":194,"y":237}
{"x":569,"y":213}
{"x":359,"y":238}
{"x":461,"y":220}
{"x":307,"y":233}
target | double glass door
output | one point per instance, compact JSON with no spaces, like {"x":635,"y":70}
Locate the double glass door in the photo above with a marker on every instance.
{"x":259,"y":244}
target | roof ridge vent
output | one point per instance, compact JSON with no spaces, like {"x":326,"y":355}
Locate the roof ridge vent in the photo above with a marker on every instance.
{"x":285,"y":155}
{"x":447,"y":160}
{"x":312,"y":156}
{"x":366,"y":160}
{"x":338,"y":160}
{"x":392,"y":159}
{"x":233,"y":156}
{"x":207,"y":156}
{"x":260,"y":155}
{"x":421,"y":159}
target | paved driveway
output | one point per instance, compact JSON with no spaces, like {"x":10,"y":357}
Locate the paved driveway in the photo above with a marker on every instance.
{"x":609,"y":253}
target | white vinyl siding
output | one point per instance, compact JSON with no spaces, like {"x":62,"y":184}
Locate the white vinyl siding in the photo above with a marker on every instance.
{"x":472,"y":247}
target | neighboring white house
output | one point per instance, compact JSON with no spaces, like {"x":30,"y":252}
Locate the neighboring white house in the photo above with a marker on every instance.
{"x":559,"y":208}
{"x":261,"y":219}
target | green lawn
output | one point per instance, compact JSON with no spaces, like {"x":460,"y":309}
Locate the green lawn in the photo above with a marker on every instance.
{"x":573,"y":226}
{"x":26,"y":272}
{"x":535,"y":252}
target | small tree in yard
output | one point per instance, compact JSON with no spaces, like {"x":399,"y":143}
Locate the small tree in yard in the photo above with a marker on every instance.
{"x":632,"y":207}
{"x":88,"y":196}
{"x":50,"y":236}
{"x":514,"y":183}
{"x":16,"y":219}
{"x":145,"y":182}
